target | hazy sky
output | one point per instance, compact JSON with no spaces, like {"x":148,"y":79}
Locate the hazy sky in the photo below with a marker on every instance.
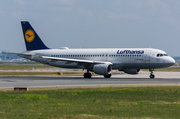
{"x":93,"y":23}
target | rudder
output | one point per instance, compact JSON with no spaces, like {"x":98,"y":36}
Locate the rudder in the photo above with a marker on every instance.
{"x":32,"y":40}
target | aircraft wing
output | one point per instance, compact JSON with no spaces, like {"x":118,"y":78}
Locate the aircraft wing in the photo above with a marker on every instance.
{"x":68,"y":60}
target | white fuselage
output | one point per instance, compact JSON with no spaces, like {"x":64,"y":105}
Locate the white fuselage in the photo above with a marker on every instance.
{"x":126,"y":58}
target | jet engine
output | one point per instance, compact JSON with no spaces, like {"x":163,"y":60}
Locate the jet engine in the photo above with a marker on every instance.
{"x":131,"y":71}
{"x":102,"y":69}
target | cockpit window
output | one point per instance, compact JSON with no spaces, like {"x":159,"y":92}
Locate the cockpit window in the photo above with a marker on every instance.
{"x":160,"y":55}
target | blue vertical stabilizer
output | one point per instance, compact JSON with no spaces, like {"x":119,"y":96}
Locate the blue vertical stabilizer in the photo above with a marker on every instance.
{"x":32,"y":40}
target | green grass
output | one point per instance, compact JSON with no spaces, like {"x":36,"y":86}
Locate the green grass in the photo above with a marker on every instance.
{"x":112,"y":102}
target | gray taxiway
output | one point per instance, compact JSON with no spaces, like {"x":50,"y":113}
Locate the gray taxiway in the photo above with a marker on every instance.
{"x":63,"y":81}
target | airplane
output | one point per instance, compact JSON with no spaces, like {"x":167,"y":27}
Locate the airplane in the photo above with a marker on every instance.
{"x":99,"y":60}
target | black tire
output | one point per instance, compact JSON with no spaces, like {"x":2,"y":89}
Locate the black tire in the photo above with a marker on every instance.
{"x":87,"y":75}
{"x":152,"y":76}
{"x":107,"y":76}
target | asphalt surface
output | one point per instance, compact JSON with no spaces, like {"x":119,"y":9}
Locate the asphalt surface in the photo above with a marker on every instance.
{"x":63,"y":81}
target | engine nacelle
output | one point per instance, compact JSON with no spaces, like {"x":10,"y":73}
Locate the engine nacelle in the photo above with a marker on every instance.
{"x":131,"y":71}
{"x":102,"y":69}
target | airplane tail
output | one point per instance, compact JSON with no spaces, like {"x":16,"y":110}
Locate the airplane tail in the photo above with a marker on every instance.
{"x":32,"y":40}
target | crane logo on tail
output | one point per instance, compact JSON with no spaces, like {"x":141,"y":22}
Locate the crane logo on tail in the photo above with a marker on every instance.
{"x":29,"y":35}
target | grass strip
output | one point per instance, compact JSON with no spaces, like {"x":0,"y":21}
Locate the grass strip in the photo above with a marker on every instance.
{"x":86,"y":103}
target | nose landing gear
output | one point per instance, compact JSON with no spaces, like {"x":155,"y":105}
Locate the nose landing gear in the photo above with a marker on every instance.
{"x":151,"y":74}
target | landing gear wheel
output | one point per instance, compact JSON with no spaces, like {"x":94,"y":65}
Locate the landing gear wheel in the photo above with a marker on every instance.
{"x":87,"y":75}
{"x":107,"y":76}
{"x":152,"y":76}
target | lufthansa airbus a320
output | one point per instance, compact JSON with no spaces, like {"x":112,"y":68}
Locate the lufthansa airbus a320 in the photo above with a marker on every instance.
{"x":100,"y":61}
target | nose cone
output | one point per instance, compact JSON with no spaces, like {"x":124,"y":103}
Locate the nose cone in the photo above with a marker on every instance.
{"x":170,"y":61}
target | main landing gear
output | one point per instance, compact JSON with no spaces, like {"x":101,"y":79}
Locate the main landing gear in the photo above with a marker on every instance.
{"x":87,"y":75}
{"x":107,"y":76}
{"x":151,"y":74}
